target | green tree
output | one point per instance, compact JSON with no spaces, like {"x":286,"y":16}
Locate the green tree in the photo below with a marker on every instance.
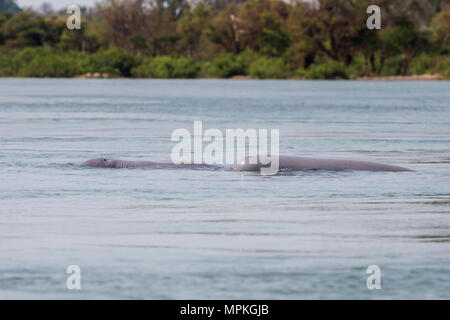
{"x":24,"y":29}
{"x":167,"y":67}
{"x":192,"y":28}
{"x":225,"y":30}
{"x":267,"y":68}
{"x":404,"y":39}
{"x":272,"y":41}
{"x":441,"y":30}
{"x":299,"y":28}
{"x":9,"y":5}
{"x":262,"y":38}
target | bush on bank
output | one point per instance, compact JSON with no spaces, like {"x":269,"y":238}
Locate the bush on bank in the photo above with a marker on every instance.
{"x":261,"y":38}
{"x":226,"y":66}
{"x":329,"y":70}
{"x":431,"y":64}
{"x":7,"y":69}
{"x":47,"y":62}
{"x":167,"y":67}
{"x":116,"y":62}
{"x":268,"y":68}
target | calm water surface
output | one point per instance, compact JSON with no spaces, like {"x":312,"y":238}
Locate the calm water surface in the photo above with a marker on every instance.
{"x":180,"y":233}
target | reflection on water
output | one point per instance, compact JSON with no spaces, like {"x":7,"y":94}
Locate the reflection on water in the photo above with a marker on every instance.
{"x":180,"y":233}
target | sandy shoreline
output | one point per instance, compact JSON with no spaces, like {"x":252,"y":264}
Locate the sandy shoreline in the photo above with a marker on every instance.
{"x":377,"y":78}
{"x":244,"y":77}
{"x":404,"y":78}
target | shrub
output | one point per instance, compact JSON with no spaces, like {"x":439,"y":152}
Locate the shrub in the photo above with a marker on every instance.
{"x":185,"y":68}
{"x":392,"y":66}
{"x":300,"y":73}
{"x":329,"y":70}
{"x":114,"y":61}
{"x":7,"y":66}
{"x":206,"y":69}
{"x":227,"y":65}
{"x":358,"y":67}
{"x":245,"y":59}
{"x":28,"y":54}
{"x":45,"y":62}
{"x":51,"y":65}
{"x":426,"y":64}
{"x":444,"y":70}
{"x":267,"y":68}
{"x":167,"y":67}
{"x":422,"y":64}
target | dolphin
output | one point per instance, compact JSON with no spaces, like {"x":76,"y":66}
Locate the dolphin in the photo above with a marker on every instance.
{"x":119,"y":164}
{"x":309,"y":163}
{"x":254,"y":164}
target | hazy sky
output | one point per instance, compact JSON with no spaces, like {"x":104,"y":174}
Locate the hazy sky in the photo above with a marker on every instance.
{"x":57,"y":4}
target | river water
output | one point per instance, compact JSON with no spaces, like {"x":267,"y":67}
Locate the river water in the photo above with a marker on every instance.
{"x":214,"y":234}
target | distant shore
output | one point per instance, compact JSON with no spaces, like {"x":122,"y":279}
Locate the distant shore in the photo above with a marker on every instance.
{"x":98,"y":75}
{"x":405,"y":78}
{"x":376,"y":78}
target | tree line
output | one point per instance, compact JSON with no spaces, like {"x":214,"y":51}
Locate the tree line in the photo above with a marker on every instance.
{"x":317,"y":39}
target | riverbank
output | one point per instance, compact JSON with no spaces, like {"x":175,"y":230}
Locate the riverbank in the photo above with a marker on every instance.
{"x":405,"y":78}
{"x":423,"y":77}
{"x":118,"y":63}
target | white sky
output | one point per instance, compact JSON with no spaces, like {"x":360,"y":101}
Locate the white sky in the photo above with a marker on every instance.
{"x":57,"y":4}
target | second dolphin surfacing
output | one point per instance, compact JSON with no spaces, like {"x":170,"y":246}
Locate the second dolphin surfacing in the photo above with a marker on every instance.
{"x":252,"y":164}
{"x":307,"y":163}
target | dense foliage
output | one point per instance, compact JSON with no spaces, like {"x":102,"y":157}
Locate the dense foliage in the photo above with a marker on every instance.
{"x":322,"y":39}
{"x":8,"y":5}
